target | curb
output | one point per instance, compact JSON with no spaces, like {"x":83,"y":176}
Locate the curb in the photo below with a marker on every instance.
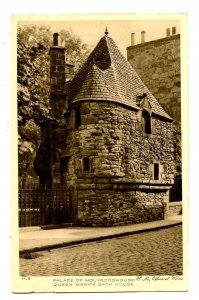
{"x":98,"y":238}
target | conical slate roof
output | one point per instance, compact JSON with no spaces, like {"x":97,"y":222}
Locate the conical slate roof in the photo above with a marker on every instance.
{"x":107,"y":75}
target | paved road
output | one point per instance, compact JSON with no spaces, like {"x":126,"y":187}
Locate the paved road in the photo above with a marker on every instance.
{"x":151,"y":253}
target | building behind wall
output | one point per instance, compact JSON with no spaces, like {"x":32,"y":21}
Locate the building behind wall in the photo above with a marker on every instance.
{"x":112,"y":147}
{"x":157,"y":62}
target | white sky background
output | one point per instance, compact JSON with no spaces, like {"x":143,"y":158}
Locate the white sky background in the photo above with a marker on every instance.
{"x":90,"y":31}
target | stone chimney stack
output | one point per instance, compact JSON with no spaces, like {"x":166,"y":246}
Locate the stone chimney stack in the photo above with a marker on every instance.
{"x":143,"y":33}
{"x":57,"y":76}
{"x":56,"y":39}
{"x":132,"y":39}
{"x":168,"y":32}
{"x":173,"y":30}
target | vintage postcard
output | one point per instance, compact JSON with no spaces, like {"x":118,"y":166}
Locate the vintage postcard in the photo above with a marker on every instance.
{"x":99,"y":110}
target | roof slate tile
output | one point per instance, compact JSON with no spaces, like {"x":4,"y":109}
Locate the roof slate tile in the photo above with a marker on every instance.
{"x":107,"y":75}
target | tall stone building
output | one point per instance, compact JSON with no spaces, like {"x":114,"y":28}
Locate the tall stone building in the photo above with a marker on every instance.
{"x":157,"y":62}
{"x":110,"y":143}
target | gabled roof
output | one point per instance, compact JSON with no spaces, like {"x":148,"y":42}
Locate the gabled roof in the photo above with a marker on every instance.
{"x":107,"y":75}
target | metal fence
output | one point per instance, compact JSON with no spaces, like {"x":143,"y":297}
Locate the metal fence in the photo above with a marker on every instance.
{"x":28,"y":182}
{"x":42,"y":207}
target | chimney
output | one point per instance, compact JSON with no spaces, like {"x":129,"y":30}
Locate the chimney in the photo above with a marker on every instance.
{"x":132,"y":39}
{"x":56,"y":39}
{"x":57,"y":76}
{"x":173,"y":30}
{"x":168,"y":31}
{"x":143,"y":36}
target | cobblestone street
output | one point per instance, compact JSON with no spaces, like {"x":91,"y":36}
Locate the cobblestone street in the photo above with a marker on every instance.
{"x":150,"y":253}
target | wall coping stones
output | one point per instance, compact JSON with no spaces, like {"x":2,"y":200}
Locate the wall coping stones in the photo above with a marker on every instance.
{"x":144,"y":181}
{"x":137,"y":187}
{"x":103,"y":178}
{"x":154,"y":42}
{"x":123,"y":186}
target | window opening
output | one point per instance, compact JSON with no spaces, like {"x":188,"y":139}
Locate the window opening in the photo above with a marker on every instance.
{"x":156,"y":171}
{"x":146,"y":122}
{"x":77,"y":117}
{"x":86,"y":164}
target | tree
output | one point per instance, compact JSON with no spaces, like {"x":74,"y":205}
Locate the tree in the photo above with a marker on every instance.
{"x":33,"y":43}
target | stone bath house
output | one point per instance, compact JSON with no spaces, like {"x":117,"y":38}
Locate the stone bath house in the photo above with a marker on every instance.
{"x":110,"y":142}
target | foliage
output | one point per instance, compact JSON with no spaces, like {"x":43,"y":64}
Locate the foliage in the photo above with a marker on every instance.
{"x":33,"y":43}
{"x":76,"y":51}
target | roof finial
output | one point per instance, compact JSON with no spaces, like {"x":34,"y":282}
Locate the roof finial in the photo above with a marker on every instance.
{"x":106,"y":31}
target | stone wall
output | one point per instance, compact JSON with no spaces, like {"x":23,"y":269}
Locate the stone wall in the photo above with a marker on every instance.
{"x":57,"y":80}
{"x":158,"y":65}
{"x":111,"y":207}
{"x":119,"y":186}
{"x":108,"y":135}
{"x":174,"y":208}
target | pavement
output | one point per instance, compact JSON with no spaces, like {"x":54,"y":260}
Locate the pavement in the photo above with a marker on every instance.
{"x":32,"y":239}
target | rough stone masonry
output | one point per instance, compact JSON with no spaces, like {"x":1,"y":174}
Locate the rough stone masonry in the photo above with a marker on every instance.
{"x":110,"y":143}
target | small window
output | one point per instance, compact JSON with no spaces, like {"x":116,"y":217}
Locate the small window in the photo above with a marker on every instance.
{"x":77,"y":116}
{"x":146,"y":121}
{"x":156,"y":171}
{"x":86,"y":164}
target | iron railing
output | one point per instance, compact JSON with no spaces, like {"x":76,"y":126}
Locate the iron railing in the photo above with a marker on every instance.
{"x":41,"y":207}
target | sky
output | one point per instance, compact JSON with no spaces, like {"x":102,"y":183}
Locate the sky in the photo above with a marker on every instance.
{"x":90,"y":31}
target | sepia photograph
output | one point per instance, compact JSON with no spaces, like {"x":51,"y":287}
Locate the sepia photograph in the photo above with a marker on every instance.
{"x":99,"y":113}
